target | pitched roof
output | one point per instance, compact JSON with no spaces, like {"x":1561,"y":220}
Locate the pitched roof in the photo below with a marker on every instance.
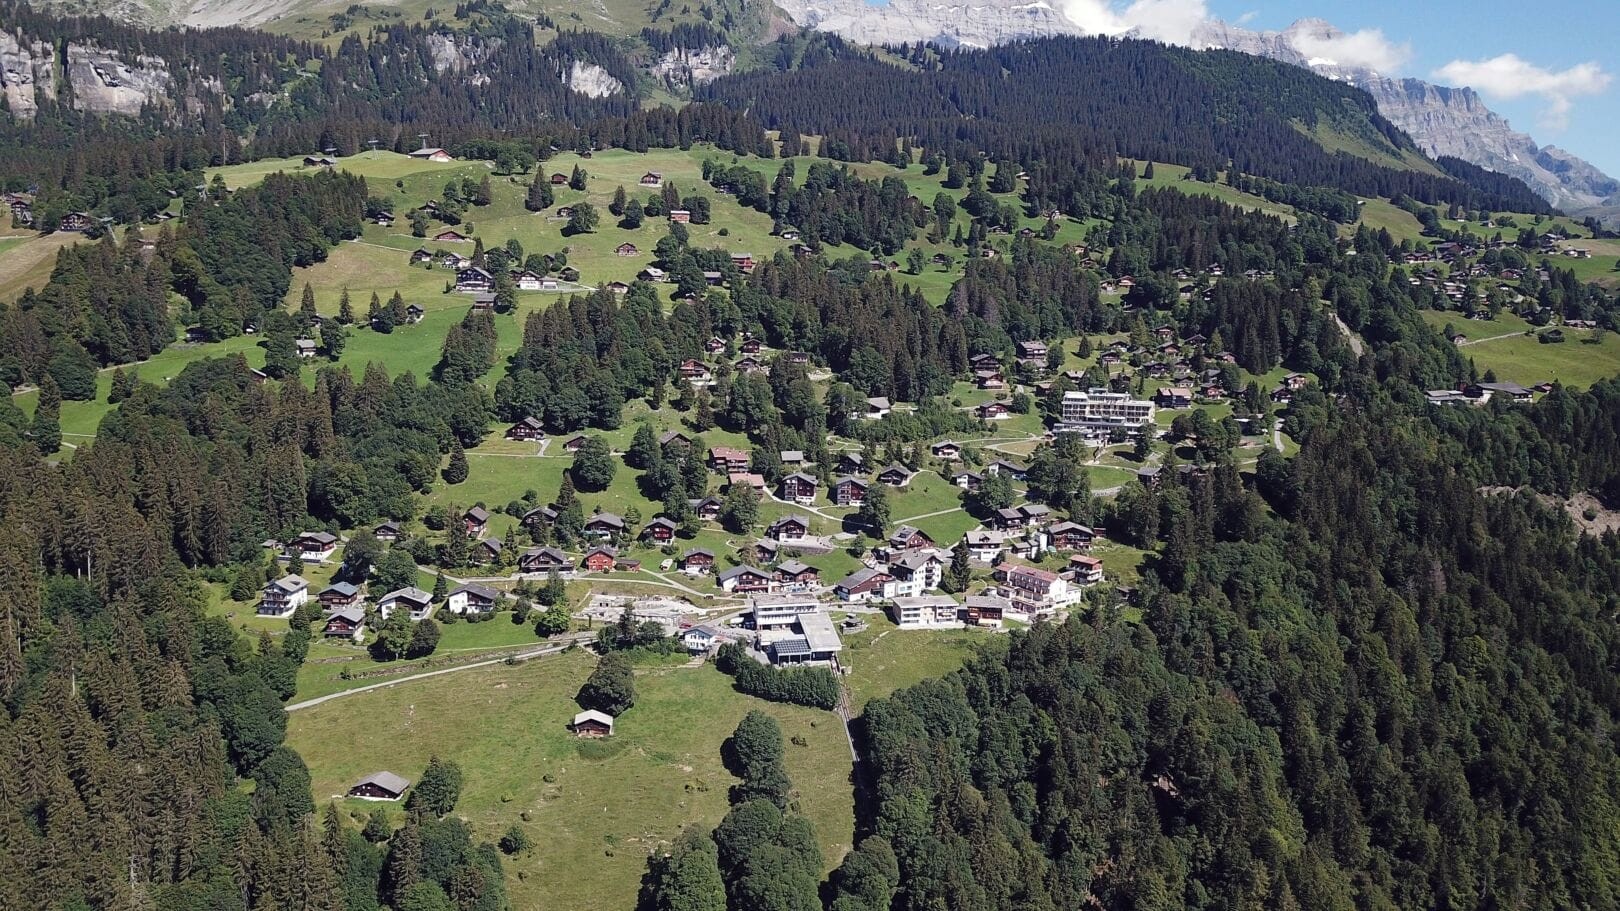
{"x":736,"y":571}
{"x":290,"y":583}
{"x":408,"y":593}
{"x":593,"y":715}
{"x":859,"y":577}
{"x":342,"y":589}
{"x":388,"y":781}
{"x":473,"y":588}
{"x":355,"y":615}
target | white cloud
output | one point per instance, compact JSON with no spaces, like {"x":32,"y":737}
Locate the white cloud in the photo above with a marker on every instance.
{"x":1367,"y":48}
{"x":1510,"y":76}
{"x":1247,"y":17}
{"x":1170,"y":21}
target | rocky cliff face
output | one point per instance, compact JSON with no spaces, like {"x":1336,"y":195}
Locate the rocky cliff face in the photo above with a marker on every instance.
{"x":27,"y":72}
{"x":982,"y":24}
{"x":694,"y":66}
{"x":591,"y":80}
{"x":101,"y":81}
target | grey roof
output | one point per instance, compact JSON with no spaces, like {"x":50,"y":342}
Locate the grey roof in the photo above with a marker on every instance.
{"x":850,"y":479}
{"x":698,"y":550}
{"x":916,"y":559}
{"x":795,"y":567}
{"x":802,"y":477}
{"x":858,"y":577}
{"x":388,"y":781}
{"x":477,"y":514}
{"x":991,"y":601}
{"x":906,"y":532}
{"x":409,"y":593}
{"x":320,"y":537}
{"x":594,"y":715}
{"x":551,"y":553}
{"x":792,"y":455}
{"x":355,"y":615}
{"x":819,"y":633}
{"x":291,"y":583}
{"x":736,"y":571}
{"x":343,"y":589}
{"x":896,"y":466}
{"x":605,"y":518}
{"x":796,"y":517}
{"x":473,"y":588}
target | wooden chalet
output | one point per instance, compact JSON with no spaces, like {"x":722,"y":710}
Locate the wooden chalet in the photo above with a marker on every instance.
{"x":849,"y":491}
{"x":380,"y":786}
{"x":593,"y":724}
{"x":527,"y":430}
{"x":600,"y":559}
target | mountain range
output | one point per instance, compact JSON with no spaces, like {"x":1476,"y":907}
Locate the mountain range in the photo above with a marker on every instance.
{"x":1441,"y":119}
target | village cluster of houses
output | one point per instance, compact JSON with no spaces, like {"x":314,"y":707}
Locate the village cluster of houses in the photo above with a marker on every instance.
{"x":344,"y":604}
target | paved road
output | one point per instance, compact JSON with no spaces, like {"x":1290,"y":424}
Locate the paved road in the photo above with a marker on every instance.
{"x":524,"y":656}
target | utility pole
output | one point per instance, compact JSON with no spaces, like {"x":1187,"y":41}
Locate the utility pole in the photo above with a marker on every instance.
{"x":423,"y":137}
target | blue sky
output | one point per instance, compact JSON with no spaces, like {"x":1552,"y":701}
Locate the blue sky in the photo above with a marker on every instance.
{"x":1553,"y":69}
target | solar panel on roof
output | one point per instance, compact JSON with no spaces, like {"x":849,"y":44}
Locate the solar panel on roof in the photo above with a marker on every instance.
{"x":793,"y":646}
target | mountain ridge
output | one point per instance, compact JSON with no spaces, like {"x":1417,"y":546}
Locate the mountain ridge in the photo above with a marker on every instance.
{"x":1443,"y":120}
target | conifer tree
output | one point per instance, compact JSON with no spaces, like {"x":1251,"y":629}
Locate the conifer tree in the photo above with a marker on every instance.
{"x":46,"y":429}
{"x":457,"y":470}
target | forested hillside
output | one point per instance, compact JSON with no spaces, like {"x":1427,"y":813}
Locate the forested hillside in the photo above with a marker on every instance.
{"x":1050,"y":98}
{"x":1394,"y":693}
{"x":1342,"y":633}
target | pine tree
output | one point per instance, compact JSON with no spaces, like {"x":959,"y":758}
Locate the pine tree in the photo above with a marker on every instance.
{"x":539,"y":197}
{"x":618,"y":203}
{"x":123,"y":385}
{"x":246,"y":583}
{"x":46,"y":429}
{"x":457,"y":470}
{"x":576,"y":180}
{"x":960,"y":572}
{"x":334,"y":338}
{"x":441,"y":588}
{"x":345,"y":309}
{"x":307,"y":315}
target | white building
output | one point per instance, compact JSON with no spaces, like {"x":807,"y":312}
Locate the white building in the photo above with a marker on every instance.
{"x":283,"y":596}
{"x":926,"y":612}
{"x":1097,"y":412}
{"x":418,"y":602}
{"x":780,"y":611}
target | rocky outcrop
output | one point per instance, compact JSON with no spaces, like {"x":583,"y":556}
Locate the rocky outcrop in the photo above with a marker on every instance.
{"x":982,"y":24}
{"x":27,"y":74}
{"x":591,"y":80}
{"x":694,"y":66}
{"x":103,"y":83}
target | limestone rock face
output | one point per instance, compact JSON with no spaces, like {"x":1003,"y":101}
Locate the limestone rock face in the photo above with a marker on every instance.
{"x":591,"y":80}
{"x":26,"y":74}
{"x":695,"y":66}
{"x":981,"y":24}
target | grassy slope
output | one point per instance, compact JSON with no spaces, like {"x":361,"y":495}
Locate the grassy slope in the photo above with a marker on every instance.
{"x":595,"y":820}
